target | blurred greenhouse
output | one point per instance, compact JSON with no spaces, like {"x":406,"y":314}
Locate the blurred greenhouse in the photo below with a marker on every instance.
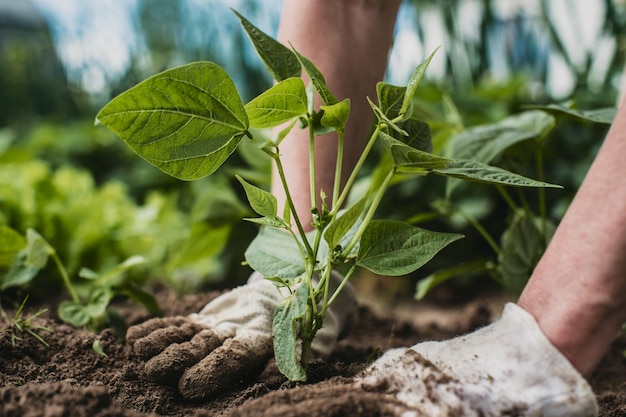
{"x":97,"y":204}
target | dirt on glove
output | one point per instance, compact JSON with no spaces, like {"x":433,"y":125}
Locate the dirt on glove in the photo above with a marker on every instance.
{"x":69,"y":378}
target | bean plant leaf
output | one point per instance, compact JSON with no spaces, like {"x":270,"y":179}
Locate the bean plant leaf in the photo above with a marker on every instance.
{"x":185,"y":121}
{"x":339,"y":227}
{"x":396,"y":248}
{"x":317,"y":79}
{"x":261,"y":201}
{"x":413,"y":83}
{"x":477,"y":172}
{"x":11,"y":242}
{"x":484,"y":143}
{"x":29,"y":261}
{"x":523,"y":243}
{"x":404,"y":155}
{"x":390,"y":98}
{"x":273,"y":253}
{"x":603,"y":116}
{"x":336,"y":115}
{"x":279,"y":60}
{"x":284,"y":101}
{"x":285,"y":328}
{"x":73,"y":313}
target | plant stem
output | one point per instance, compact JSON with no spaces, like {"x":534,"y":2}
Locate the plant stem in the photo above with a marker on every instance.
{"x":312,"y":184}
{"x":372,"y":209}
{"x":64,"y":276}
{"x":355,"y":170}
{"x":541,"y":191}
{"x":289,"y":200}
{"x":483,"y":232}
{"x":338,"y":168}
{"x":507,"y":197}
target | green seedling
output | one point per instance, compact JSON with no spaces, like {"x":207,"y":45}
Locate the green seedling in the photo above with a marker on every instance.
{"x":186,"y":121}
{"x":19,"y":325}
{"x":90,"y":301}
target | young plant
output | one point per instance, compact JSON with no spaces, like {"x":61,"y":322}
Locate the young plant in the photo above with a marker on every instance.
{"x":89,"y":304}
{"x":188,"y":120}
{"x":19,"y":325}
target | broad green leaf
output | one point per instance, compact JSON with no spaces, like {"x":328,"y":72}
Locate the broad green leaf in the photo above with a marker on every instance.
{"x":336,"y":115}
{"x":390,"y":98}
{"x":261,"y":201}
{"x":73,"y":313}
{"x":604,"y":116}
{"x":277,"y":105}
{"x":317,"y":79}
{"x":484,"y":143}
{"x":29,"y":261}
{"x":186,"y":121}
{"x":268,"y":221}
{"x":11,"y":242}
{"x":419,"y":135}
{"x":433,"y":280}
{"x":413,"y":83}
{"x":280,"y":61}
{"x":342,"y":224}
{"x":404,"y":155}
{"x":274,"y":253}
{"x":98,"y":302}
{"x":523,"y":243}
{"x":475,"y":171}
{"x":285,"y":329}
{"x":396,"y":248}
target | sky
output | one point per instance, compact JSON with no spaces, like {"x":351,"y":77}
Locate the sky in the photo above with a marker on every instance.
{"x":95,"y":38}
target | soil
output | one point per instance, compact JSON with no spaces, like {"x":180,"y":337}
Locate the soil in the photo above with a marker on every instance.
{"x":69,"y":378}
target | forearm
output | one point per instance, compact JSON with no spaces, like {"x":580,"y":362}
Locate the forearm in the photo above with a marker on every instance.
{"x":349,"y":42}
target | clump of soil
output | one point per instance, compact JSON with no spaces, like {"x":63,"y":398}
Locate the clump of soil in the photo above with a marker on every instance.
{"x":69,"y":378}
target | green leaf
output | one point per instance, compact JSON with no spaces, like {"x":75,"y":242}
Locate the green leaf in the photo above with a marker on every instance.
{"x":395,"y":248}
{"x":317,"y":79}
{"x":336,"y":115}
{"x":433,"y":280}
{"x":280,"y":61}
{"x":185,"y":121}
{"x":404,"y":155}
{"x":97,"y":348}
{"x":98,"y":302}
{"x":390,"y":98}
{"x":604,"y":116}
{"x":475,"y":171}
{"x":11,"y":242}
{"x":486,"y":142}
{"x":339,"y":227}
{"x":261,"y":201}
{"x":282,"y":102}
{"x":285,"y":329}
{"x":419,"y":135}
{"x":413,"y":83}
{"x":523,"y":243}
{"x":29,"y":261}
{"x":274,"y":253}
{"x":73,"y":313}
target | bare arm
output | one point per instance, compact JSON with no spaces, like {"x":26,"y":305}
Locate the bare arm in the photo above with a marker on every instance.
{"x":348,"y":40}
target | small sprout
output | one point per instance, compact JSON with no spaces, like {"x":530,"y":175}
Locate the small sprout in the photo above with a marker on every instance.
{"x":19,"y":325}
{"x":97,"y":347}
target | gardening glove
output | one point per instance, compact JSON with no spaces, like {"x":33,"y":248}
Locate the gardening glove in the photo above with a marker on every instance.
{"x":231,"y":336}
{"x":506,"y":368}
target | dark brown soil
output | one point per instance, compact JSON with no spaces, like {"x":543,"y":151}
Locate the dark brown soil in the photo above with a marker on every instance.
{"x":70,"y":379}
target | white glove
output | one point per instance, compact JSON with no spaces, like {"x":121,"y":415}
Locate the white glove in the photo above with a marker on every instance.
{"x":228,"y":339}
{"x":506,"y":368}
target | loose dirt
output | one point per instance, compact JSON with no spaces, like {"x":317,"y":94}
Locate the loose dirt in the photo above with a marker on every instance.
{"x":69,"y":378}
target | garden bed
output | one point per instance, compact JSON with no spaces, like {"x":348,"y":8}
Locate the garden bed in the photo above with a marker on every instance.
{"x":69,"y":378}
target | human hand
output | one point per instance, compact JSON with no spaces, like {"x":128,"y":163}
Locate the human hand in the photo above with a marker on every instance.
{"x":508,"y":368}
{"x":203,"y":353}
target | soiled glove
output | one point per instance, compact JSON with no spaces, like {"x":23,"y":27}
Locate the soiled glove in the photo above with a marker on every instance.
{"x":231,"y":336}
{"x":508,"y":368}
